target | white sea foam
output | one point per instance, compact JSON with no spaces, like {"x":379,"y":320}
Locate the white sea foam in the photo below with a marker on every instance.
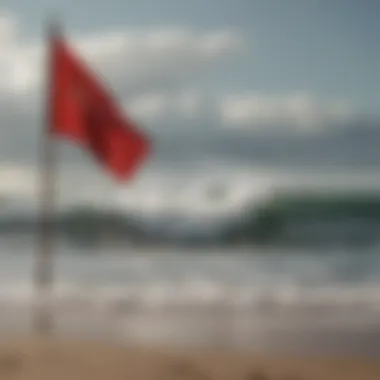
{"x":199,"y":295}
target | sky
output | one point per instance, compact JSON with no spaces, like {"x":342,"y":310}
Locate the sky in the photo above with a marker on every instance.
{"x":245,"y":94}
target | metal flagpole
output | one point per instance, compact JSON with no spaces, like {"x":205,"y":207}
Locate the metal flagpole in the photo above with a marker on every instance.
{"x":43,"y":280}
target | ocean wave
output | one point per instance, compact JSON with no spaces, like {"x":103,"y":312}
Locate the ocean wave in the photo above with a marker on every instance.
{"x":199,"y":297}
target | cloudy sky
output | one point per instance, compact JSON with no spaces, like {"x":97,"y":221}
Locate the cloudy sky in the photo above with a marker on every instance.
{"x":248,"y":94}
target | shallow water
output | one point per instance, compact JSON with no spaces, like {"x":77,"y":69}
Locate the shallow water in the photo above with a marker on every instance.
{"x":282,"y":299}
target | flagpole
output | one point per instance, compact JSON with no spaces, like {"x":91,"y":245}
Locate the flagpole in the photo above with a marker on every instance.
{"x":44,"y":276}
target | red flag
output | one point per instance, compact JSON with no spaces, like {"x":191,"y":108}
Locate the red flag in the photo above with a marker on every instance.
{"x":83,"y":111}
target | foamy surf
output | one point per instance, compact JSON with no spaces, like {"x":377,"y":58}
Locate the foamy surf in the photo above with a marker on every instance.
{"x":200,"y":297}
{"x":228,"y":298}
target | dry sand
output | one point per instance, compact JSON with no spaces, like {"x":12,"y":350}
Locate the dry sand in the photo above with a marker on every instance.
{"x":36,"y":359}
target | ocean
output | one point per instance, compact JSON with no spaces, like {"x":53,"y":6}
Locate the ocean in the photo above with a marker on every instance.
{"x":272,"y":299}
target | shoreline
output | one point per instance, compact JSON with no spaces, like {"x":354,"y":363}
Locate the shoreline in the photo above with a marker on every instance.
{"x":280,"y":335}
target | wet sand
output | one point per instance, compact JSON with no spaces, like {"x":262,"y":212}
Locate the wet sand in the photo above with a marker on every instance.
{"x":342,"y":334}
{"x":48,"y":359}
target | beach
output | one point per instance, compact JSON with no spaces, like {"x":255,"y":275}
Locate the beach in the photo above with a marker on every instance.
{"x":182,"y":315}
{"x":44,"y":359}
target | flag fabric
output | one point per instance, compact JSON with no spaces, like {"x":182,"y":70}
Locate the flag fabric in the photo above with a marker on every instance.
{"x":83,"y":111}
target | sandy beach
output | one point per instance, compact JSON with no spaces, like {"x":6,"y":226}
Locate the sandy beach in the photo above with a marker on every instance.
{"x":46,"y":359}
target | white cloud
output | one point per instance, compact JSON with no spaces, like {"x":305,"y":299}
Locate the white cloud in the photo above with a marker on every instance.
{"x":127,"y":58}
{"x":151,"y":71}
{"x":158,"y":57}
{"x":300,"y":110}
{"x":150,"y":106}
{"x":161,"y":106}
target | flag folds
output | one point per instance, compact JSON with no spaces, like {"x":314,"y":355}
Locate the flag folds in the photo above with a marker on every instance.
{"x":83,"y":111}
